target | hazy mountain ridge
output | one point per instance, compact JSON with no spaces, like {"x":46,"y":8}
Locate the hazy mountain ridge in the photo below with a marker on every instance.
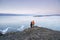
{"x":15,"y":14}
{"x":35,"y":15}
{"x":47,"y":15}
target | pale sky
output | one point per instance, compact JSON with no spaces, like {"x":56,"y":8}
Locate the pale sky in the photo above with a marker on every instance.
{"x":30,"y":6}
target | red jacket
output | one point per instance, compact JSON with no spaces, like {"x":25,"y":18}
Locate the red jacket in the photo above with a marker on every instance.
{"x":33,"y":22}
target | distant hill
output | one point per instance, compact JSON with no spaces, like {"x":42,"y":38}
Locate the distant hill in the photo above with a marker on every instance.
{"x":34,"y":15}
{"x":47,"y":15}
{"x":36,"y":33}
{"x":15,"y":14}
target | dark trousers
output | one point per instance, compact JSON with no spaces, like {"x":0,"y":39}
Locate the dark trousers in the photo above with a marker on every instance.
{"x":31,"y":25}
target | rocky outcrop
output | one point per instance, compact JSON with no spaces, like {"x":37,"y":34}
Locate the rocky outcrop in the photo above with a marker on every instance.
{"x":36,"y":33}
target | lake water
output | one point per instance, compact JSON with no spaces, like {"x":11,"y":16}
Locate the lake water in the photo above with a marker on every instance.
{"x":19,"y":23}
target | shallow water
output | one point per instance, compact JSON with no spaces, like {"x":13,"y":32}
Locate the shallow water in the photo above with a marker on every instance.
{"x":19,"y":23}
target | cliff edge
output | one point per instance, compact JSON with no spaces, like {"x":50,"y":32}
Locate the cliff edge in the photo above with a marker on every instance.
{"x":36,"y":33}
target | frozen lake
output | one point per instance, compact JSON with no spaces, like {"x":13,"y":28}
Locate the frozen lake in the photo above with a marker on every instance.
{"x":19,"y":23}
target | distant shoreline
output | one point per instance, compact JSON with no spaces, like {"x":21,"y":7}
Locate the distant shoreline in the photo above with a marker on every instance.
{"x":34,"y":15}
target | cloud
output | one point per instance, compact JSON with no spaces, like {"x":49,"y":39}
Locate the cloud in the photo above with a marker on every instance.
{"x":29,"y":7}
{"x":30,"y":10}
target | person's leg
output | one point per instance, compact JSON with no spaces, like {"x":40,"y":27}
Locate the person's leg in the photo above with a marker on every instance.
{"x":32,"y":25}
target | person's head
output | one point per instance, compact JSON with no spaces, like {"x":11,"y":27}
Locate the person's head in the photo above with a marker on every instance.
{"x":32,"y":20}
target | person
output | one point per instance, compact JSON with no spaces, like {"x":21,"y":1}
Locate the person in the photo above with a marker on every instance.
{"x":32,"y":23}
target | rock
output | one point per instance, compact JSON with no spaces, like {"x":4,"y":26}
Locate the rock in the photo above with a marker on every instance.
{"x":1,"y":34}
{"x":36,"y":33}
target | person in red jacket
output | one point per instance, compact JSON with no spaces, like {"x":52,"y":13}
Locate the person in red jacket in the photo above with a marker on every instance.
{"x":32,"y":23}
